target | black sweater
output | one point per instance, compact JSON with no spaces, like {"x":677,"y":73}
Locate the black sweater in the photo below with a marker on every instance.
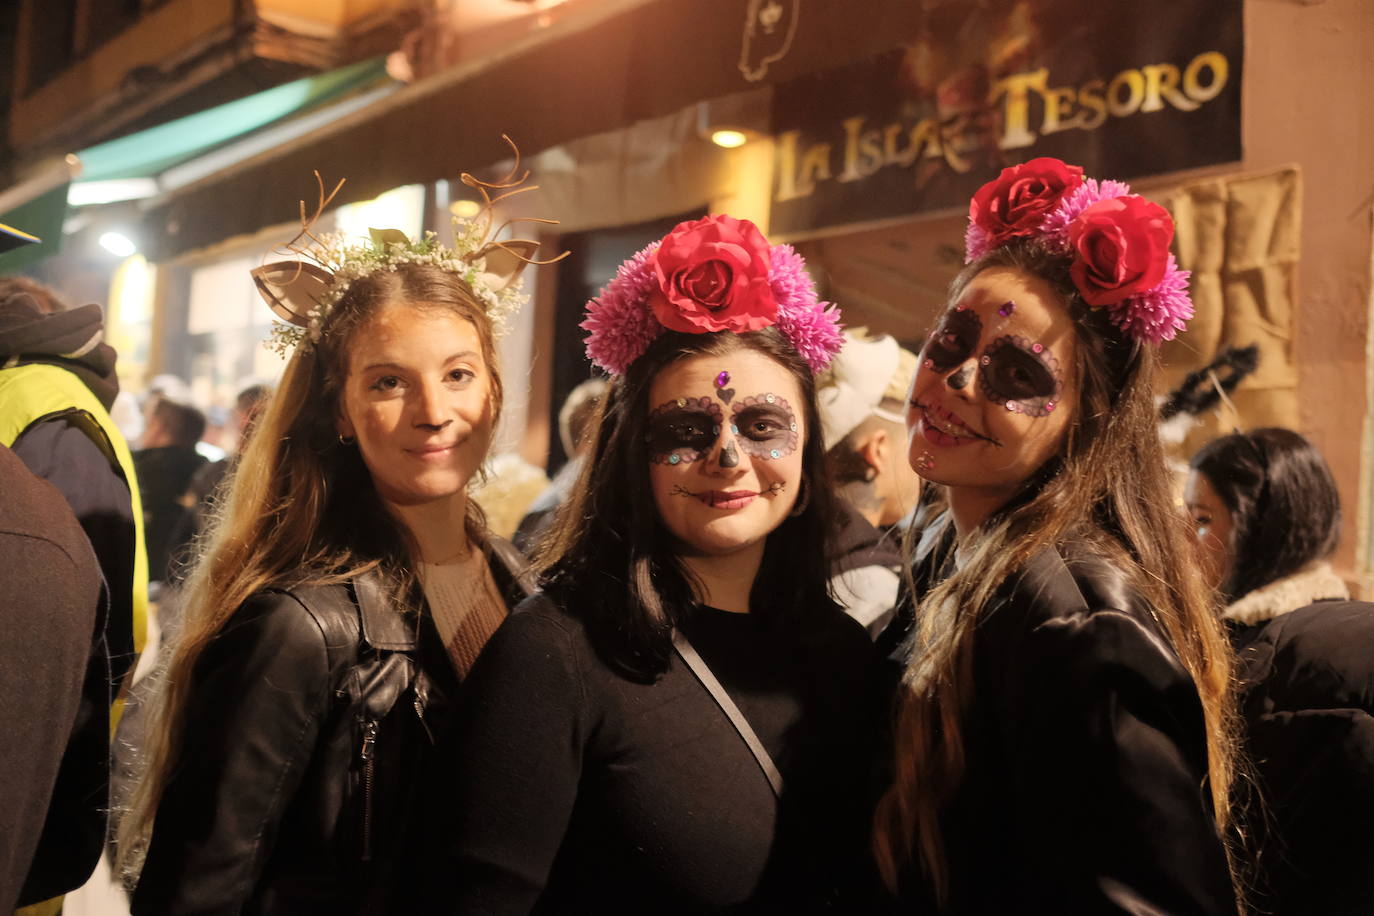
{"x":586,"y":792}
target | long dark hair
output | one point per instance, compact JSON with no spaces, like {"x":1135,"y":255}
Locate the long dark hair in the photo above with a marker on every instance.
{"x":1108,"y":489}
{"x":608,"y":557}
{"x":1285,"y":510}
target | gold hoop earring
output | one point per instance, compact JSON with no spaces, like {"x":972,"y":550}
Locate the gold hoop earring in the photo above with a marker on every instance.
{"x":346,"y":440}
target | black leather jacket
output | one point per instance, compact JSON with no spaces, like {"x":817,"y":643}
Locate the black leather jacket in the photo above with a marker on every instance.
{"x":316,"y":734}
{"x":1085,"y":754}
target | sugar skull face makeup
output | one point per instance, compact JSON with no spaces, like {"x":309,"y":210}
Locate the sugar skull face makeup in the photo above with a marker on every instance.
{"x":993,"y":392}
{"x":724,"y":448}
{"x":1023,"y":376}
{"x":683,"y":430}
{"x":766,"y":426}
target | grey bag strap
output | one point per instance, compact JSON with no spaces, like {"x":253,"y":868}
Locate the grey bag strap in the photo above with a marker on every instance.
{"x":708,"y":680}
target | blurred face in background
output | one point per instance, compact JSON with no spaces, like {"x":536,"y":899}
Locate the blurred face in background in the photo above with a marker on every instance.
{"x":1212,"y":525}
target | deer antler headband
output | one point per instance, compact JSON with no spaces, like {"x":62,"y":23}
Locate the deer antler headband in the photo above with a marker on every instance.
{"x":303,"y":291}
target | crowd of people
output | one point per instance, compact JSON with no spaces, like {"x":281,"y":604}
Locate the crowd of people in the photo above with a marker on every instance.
{"x":808,"y":623}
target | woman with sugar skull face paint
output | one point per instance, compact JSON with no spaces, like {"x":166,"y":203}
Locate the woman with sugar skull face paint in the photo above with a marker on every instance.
{"x":1065,"y":720}
{"x":670,"y":726}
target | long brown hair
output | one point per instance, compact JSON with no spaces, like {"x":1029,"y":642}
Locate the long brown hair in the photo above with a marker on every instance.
{"x":1080,"y":495}
{"x":610,"y":560}
{"x":301,"y":510}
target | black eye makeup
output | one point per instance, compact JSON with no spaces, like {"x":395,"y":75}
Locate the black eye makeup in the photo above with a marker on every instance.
{"x":1022,"y":376}
{"x":954,"y":341}
{"x":683,"y":430}
{"x":765,"y":426}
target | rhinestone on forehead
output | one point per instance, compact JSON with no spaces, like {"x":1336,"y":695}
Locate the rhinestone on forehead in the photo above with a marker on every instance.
{"x":723,"y":379}
{"x":1006,"y":309}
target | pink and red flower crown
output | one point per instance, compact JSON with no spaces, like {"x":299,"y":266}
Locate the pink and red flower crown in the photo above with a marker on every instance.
{"x":713,"y":274}
{"x":1118,"y":241}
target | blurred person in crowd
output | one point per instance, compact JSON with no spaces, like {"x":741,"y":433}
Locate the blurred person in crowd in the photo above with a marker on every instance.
{"x":862,"y":400}
{"x":505,"y":489}
{"x":671,"y":725}
{"x":1268,"y":518}
{"x":574,"y":421}
{"x":248,"y":406}
{"x":56,"y":386}
{"x":1065,"y":728}
{"x":344,"y":593}
{"x":54,"y":693}
{"x":166,"y":462}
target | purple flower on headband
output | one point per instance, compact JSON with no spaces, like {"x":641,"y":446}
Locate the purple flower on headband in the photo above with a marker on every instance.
{"x":812,"y":327}
{"x":621,"y":326}
{"x":1055,"y":228}
{"x":1157,"y":314}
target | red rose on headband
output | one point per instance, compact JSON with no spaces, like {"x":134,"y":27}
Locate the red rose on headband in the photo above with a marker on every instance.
{"x":1120,"y":248}
{"x":713,"y":276}
{"x":1017,"y":201}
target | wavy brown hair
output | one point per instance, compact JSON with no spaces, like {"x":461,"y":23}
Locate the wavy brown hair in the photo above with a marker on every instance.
{"x":1080,"y":495}
{"x":300,"y":510}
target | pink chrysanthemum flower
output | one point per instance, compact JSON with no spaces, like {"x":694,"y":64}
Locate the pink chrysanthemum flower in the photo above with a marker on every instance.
{"x":977,"y":242}
{"x":1055,"y":228}
{"x":812,"y":327}
{"x":619,"y":323}
{"x":1160,"y":313}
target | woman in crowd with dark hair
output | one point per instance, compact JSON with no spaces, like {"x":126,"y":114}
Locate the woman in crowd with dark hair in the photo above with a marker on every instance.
{"x":346,"y":588}
{"x":1064,"y":739}
{"x":671,"y":726}
{"x":1268,"y":518}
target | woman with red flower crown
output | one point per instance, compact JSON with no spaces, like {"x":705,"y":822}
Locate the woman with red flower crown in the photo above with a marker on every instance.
{"x":1064,"y":739}
{"x":676,"y":723}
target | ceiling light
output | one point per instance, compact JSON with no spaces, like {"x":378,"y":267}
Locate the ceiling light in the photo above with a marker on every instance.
{"x":118,"y":244}
{"x":728,"y":139}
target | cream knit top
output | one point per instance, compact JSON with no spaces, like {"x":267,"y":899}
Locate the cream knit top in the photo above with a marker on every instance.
{"x":466,"y":605}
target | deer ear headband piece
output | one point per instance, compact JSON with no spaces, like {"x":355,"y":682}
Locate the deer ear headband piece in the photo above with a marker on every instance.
{"x":302,"y":291}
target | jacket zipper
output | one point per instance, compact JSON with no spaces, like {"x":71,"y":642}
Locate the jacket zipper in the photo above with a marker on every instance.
{"x":369,"y":741}
{"x":420,"y":712}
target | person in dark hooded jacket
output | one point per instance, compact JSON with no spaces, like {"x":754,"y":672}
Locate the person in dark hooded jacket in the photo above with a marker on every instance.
{"x":56,"y":385}
{"x":1268,"y":517}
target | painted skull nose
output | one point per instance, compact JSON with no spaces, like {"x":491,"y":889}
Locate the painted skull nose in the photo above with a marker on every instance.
{"x":729,"y":458}
{"x":960,"y":379}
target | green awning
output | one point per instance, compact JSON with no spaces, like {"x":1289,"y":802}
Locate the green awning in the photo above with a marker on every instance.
{"x":148,"y":152}
{"x":43,"y":216}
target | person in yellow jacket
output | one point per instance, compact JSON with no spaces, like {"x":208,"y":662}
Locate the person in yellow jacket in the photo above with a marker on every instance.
{"x":57,"y":381}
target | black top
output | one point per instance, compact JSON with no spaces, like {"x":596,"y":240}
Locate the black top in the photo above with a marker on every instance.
{"x":1308,"y":704}
{"x":585,"y":792}
{"x":1085,"y":758}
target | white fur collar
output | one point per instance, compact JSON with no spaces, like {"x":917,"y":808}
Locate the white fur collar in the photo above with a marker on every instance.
{"x":1312,"y":583}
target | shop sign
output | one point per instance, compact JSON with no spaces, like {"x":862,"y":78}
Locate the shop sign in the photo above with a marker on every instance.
{"x":1123,"y":88}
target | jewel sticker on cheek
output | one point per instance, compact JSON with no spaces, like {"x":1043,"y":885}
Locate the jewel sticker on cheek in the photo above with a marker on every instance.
{"x":683,"y":430}
{"x":766,"y":426}
{"x":1021,"y":375}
